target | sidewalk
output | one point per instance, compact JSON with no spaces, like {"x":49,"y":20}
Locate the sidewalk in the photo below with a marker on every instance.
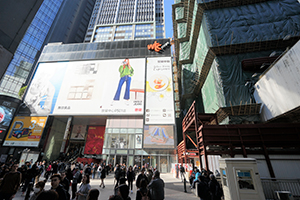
{"x":173,"y":188}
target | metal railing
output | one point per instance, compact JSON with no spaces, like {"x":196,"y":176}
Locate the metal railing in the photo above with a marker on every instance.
{"x":271,"y":185}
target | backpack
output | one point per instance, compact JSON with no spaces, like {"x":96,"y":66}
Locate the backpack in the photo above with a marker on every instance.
{"x":146,"y":197}
{"x":79,"y":178}
{"x":182,"y":169}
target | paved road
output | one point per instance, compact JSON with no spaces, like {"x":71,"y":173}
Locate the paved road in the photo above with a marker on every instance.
{"x":173,"y":189}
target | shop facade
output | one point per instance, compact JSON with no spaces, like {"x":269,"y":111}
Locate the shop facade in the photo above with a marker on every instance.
{"x":94,"y":111}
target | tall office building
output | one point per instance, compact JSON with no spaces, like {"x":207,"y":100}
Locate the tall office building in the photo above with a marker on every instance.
{"x":25,"y":55}
{"x":114,"y":20}
{"x":63,"y":21}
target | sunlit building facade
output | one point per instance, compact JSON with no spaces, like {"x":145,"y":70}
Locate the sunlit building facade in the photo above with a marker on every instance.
{"x":115,"y":20}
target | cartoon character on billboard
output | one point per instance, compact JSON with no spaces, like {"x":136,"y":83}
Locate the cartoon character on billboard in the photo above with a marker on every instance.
{"x":126,"y":72}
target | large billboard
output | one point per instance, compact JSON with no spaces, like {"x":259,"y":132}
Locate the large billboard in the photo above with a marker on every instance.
{"x":159,"y":92}
{"x":279,"y":89}
{"x":100,"y":87}
{"x":25,"y":131}
{"x":159,"y":136}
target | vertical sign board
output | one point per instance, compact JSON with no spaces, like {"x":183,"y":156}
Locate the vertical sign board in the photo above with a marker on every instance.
{"x":94,"y":140}
{"x":159,"y":92}
{"x":25,"y":131}
{"x":159,"y":104}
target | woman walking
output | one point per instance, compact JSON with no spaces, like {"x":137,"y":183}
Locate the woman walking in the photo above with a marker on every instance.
{"x":84,"y":188}
{"x":103,"y":176}
{"x":130,"y":177}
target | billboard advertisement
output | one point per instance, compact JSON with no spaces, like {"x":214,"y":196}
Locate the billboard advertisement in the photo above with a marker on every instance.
{"x":278,"y":89}
{"x":94,"y":140}
{"x":78,"y":132}
{"x":157,"y":136}
{"x":159,"y":92}
{"x":100,"y":87}
{"x":25,"y":131}
{"x":8,"y":106}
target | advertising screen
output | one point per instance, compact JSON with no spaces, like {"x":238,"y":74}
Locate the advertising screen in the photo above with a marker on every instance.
{"x":78,"y":132}
{"x":25,"y":131}
{"x":156,"y":136}
{"x":7,"y":110}
{"x":101,"y":87}
{"x":94,"y":141}
{"x":159,"y":92}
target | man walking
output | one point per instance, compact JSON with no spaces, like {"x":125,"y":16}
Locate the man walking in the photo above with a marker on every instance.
{"x":10,"y":183}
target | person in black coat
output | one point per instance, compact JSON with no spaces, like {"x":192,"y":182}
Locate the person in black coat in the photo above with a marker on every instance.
{"x":156,"y":187}
{"x":215,"y":189}
{"x":103,"y":176}
{"x":143,"y":191}
{"x":140,"y":177}
{"x":123,"y":189}
{"x":55,"y":183}
{"x":203,"y":189}
{"x":117,"y":175}
{"x":130,"y":177}
{"x":65,"y":183}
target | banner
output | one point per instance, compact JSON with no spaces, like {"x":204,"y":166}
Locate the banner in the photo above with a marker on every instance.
{"x":159,"y":92}
{"x":94,"y":141}
{"x":25,"y":131}
{"x":101,"y":87}
{"x":156,"y":136}
{"x":78,"y":132}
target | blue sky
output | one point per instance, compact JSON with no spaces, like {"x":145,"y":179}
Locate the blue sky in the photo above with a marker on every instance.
{"x":168,"y":18}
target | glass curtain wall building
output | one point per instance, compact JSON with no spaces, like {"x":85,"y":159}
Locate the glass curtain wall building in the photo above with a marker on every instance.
{"x":114,"y":20}
{"x":25,"y":55}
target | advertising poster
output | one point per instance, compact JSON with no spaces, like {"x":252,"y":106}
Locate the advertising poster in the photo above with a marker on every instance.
{"x":25,"y":131}
{"x":8,"y":106}
{"x":78,"y":132}
{"x":45,"y":87}
{"x":138,"y":141}
{"x":156,"y":136}
{"x":101,"y":87}
{"x":94,"y":141}
{"x":159,"y":92}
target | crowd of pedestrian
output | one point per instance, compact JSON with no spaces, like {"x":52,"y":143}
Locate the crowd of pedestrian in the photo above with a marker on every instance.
{"x":65,"y":178}
{"x":148,"y":183}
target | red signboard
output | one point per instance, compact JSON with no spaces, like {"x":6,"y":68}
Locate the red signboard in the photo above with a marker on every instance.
{"x":94,"y":141}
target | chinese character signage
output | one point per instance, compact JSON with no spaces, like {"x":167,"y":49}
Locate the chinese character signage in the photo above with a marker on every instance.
{"x":25,"y":131}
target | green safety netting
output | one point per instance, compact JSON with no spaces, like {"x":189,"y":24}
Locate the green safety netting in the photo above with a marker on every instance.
{"x":225,"y":84}
{"x":254,"y":22}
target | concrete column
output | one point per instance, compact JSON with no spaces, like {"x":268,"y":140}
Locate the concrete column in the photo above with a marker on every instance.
{"x":63,"y":145}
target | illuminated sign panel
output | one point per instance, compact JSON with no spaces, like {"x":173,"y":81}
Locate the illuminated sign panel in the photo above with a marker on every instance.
{"x":101,"y":87}
{"x":159,"y":136}
{"x":25,"y":131}
{"x":159,"y":92}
